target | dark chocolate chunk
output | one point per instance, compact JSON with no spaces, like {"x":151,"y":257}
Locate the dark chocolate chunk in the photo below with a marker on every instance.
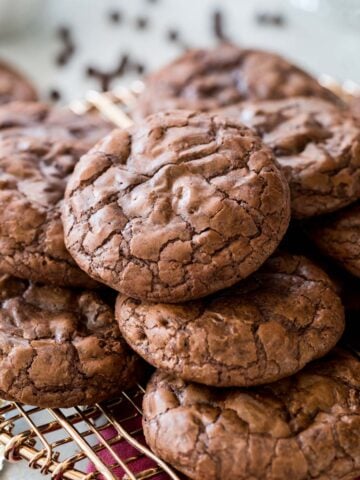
{"x":218,"y":26}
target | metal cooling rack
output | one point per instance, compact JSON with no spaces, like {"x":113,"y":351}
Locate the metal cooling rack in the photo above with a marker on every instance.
{"x":63,"y":442}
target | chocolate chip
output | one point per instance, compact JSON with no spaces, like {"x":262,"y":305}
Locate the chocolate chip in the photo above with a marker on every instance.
{"x":269,"y":18}
{"x":139,"y":68}
{"x":90,"y":71}
{"x":68,"y":46}
{"x":115,"y":16}
{"x":105,"y":81}
{"x":64,"y":33}
{"x":141,"y":23}
{"x":172,"y":35}
{"x":218,"y":26}
{"x":54,"y":95}
{"x":61,"y":59}
{"x":106,"y":77}
{"x":124,"y":60}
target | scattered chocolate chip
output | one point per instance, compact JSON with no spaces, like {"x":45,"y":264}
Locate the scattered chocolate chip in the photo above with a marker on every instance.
{"x":218,"y":26}
{"x":64,"y":33}
{"x":105,"y":78}
{"x":115,"y":16}
{"x":105,"y":81}
{"x":172,"y":35}
{"x":139,"y":68}
{"x":141,"y":23}
{"x":90,"y":71}
{"x":54,"y":95}
{"x":269,"y":18}
{"x":68,"y":46}
{"x":124,"y":60}
{"x":61,"y":59}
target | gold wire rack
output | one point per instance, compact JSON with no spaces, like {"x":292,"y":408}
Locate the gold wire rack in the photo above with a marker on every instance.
{"x":69,"y":443}
{"x":103,"y":441}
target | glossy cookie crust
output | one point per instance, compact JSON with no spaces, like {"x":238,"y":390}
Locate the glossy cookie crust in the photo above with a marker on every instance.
{"x":227,"y":75}
{"x":338,"y":236}
{"x":303,"y":427}
{"x":176,"y":207}
{"x":14,"y":86}
{"x":39,"y":148}
{"x":60,"y":347}
{"x":317,"y":146}
{"x":265,"y":328}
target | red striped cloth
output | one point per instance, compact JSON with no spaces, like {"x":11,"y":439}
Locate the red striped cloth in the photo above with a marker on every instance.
{"x":123,"y":449}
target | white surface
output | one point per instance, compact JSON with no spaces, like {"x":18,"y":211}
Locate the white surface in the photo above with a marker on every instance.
{"x":18,"y":471}
{"x":318,"y":42}
{"x":321,"y":43}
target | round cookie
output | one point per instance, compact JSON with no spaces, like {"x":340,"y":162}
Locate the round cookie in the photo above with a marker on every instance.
{"x":210,"y":79}
{"x":300,"y":428}
{"x":14,"y":86}
{"x":39,"y":148}
{"x":317,"y":145}
{"x":181,"y":205}
{"x":60,"y":347}
{"x":263,"y":329}
{"x":338,"y":236}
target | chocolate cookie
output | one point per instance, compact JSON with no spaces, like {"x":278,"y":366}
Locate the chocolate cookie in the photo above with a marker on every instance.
{"x":210,"y":79}
{"x":338,"y":236}
{"x":317,"y":145}
{"x":38,"y":151}
{"x":176,"y":207}
{"x":14,"y":86}
{"x":60,"y":347}
{"x":355,"y":107}
{"x":265,"y":328}
{"x":300,"y":428}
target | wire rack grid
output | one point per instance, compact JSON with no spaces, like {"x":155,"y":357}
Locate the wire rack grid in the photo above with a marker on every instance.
{"x":63,"y":443}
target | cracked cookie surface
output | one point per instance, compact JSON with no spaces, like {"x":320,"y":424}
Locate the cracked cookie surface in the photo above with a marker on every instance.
{"x":39,"y":148}
{"x":338,"y":236}
{"x":209,"y":79}
{"x":317,"y":145}
{"x":301,"y":428}
{"x":14,"y":86}
{"x":355,"y":107}
{"x":177,"y":207}
{"x":60,"y":347}
{"x":265,"y":328}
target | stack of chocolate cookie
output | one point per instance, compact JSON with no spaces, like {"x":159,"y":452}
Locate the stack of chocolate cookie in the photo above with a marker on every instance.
{"x":183,"y":214}
{"x":300,"y":418}
{"x":60,"y":344}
